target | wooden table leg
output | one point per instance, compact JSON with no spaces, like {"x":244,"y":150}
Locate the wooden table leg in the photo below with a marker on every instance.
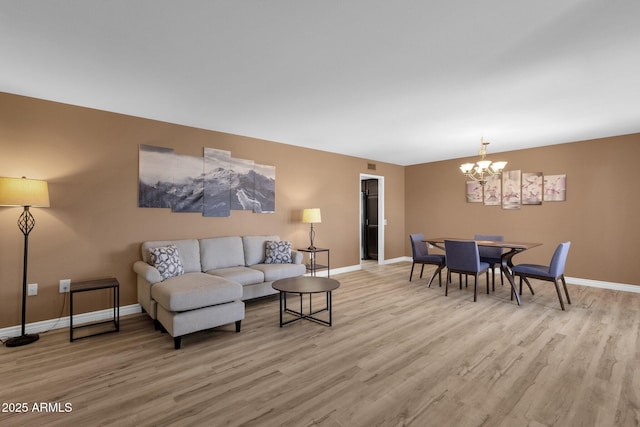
{"x":505,"y":266}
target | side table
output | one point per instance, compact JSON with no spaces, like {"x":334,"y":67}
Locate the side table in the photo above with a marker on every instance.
{"x":313,"y":266}
{"x":94,"y":285}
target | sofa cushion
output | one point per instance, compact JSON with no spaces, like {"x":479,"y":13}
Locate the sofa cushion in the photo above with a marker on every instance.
{"x":277,"y":252}
{"x":188,"y":249}
{"x":254,"y":248}
{"x":194,"y":290}
{"x":221,"y":252}
{"x":280,"y":271}
{"x":242,"y":275}
{"x":166,"y":260}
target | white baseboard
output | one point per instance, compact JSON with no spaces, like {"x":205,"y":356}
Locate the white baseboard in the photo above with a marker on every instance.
{"x":63,"y":322}
{"x":394,"y":260}
{"x":603,"y":285}
{"x":325,"y":273}
{"x":346,"y":269}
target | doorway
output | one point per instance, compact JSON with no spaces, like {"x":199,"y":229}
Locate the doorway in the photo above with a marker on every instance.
{"x":371,"y":218}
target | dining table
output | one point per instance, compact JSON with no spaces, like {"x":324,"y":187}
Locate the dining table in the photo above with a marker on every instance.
{"x":506,"y":259}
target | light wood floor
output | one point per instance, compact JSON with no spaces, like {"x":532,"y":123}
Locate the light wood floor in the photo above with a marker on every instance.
{"x":398,"y":354}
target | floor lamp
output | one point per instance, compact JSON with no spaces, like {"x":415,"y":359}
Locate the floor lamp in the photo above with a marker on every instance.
{"x":26,"y":193}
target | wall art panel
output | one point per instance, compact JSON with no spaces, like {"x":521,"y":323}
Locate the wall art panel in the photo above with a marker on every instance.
{"x":474,"y":192}
{"x":217,"y":183}
{"x":532,"y":188}
{"x":265,"y":189}
{"x":188,"y":185}
{"x":242,"y":185}
{"x":555,"y":188}
{"x":511,"y":198}
{"x":493,"y":191}
{"x":155,"y":178}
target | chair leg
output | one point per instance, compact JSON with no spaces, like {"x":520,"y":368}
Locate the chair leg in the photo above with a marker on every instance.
{"x":564,"y":284}
{"x":421,"y":271}
{"x":555,"y":282}
{"x":494,"y":285}
{"x":411,"y":274}
{"x":520,"y":285}
{"x":475,"y":287}
{"x":528,"y":285}
{"x":493,"y":279}
{"x":446,"y":285}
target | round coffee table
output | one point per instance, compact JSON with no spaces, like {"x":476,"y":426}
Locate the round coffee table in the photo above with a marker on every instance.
{"x":305,"y":285}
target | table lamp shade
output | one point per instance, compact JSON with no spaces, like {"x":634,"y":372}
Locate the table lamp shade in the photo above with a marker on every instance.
{"x":311,"y":216}
{"x":24,"y":192}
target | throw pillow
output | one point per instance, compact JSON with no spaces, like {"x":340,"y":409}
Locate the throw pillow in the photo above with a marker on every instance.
{"x":167,"y":260}
{"x":277,"y":252}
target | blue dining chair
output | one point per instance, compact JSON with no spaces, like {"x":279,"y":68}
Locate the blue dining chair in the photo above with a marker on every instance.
{"x":421,"y":255}
{"x":462,"y":257}
{"x":491,"y":256}
{"x":550,"y":273}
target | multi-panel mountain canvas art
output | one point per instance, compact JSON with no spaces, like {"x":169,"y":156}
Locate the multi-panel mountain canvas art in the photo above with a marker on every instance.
{"x":213,"y":184}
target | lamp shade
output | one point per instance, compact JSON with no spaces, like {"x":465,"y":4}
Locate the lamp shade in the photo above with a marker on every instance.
{"x":311,"y":216}
{"x":24,"y":192}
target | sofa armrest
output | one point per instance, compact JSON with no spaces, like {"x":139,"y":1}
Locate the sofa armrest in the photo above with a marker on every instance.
{"x":149,"y":273}
{"x":296,"y":257}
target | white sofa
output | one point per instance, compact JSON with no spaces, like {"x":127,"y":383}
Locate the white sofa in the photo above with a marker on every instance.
{"x":217,"y":274}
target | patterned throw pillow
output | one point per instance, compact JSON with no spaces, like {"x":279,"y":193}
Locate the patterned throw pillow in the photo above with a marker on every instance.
{"x":166,"y":260}
{"x":277,"y":252}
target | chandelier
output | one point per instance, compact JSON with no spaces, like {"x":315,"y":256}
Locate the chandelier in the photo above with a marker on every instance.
{"x":483,"y":169}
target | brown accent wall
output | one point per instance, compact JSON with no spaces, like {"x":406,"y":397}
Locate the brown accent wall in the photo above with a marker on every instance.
{"x":600,"y":216}
{"x":94,"y":227}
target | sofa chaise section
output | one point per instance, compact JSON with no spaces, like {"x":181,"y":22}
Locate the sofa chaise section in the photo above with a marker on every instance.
{"x":195,"y":302}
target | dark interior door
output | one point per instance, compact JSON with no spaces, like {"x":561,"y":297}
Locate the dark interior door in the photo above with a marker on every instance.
{"x":370,"y":219}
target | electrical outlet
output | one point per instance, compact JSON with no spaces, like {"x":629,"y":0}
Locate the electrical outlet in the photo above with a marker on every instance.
{"x":65,"y":284}
{"x":32,"y":289}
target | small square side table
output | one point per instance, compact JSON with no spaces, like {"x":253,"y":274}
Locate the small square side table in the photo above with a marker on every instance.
{"x":94,"y":285}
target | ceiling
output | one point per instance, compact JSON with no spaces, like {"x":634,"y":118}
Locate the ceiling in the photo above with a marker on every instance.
{"x":404,"y":82}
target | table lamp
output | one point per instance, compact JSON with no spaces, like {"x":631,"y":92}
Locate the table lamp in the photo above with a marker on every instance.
{"x":26,"y":193}
{"x":311,"y":216}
